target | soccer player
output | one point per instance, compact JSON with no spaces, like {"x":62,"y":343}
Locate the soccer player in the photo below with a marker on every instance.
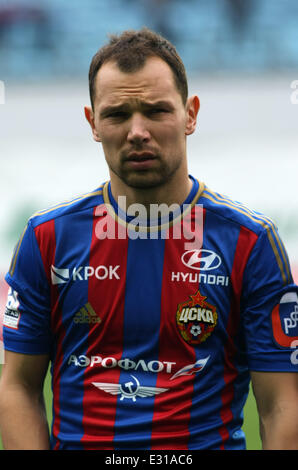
{"x":155,"y":299}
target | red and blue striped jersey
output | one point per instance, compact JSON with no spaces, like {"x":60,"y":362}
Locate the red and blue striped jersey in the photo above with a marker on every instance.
{"x":151,"y":340}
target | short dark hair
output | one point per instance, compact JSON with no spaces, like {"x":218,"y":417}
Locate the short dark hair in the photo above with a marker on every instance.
{"x":131,"y":49}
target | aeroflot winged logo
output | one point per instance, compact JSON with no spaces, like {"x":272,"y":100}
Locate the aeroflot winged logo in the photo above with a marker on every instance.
{"x":133,"y":389}
{"x":203,"y":260}
{"x":130,"y":389}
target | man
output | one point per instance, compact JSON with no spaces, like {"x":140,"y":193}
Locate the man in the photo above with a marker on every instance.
{"x":153,"y":325}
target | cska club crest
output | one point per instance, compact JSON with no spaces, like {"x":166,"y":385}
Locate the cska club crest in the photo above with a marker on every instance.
{"x":196,"y":319}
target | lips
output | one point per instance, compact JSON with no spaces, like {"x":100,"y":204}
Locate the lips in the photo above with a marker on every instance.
{"x":141,"y":161}
{"x":140,"y":156}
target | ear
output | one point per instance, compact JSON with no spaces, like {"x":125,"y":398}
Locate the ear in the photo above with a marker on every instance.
{"x":90,"y":118}
{"x":192,"y":109}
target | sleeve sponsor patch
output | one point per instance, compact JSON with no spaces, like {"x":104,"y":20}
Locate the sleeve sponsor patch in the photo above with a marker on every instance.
{"x":285,"y":320}
{"x":12,"y":315}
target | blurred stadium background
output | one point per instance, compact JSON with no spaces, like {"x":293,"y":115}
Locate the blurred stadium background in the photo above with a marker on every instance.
{"x":241,"y":57}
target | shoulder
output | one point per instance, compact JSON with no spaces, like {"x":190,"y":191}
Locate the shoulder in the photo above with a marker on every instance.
{"x":234,"y":212}
{"x":82,"y":202}
{"x":37,"y":228}
{"x":259,"y":227}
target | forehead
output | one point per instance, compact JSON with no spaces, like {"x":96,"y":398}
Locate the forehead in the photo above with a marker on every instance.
{"x":154,"y":81}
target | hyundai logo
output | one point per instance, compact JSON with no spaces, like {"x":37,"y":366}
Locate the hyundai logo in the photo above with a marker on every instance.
{"x":203,"y":260}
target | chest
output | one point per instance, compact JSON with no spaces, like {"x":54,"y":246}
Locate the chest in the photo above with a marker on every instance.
{"x":136,"y":290}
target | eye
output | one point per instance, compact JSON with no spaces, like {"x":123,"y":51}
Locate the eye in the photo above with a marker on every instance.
{"x":157,"y":111}
{"x":160,"y":110}
{"x":117,"y":115}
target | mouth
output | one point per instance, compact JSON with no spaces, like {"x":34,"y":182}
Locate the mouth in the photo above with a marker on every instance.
{"x":141,"y":160}
{"x":140,"y":156}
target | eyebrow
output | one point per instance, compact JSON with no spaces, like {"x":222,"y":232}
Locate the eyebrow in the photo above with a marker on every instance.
{"x":158,"y":104}
{"x":125,"y":107}
{"x":112,"y":109}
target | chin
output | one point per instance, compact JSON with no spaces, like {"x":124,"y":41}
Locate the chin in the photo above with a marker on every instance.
{"x":144,"y":181}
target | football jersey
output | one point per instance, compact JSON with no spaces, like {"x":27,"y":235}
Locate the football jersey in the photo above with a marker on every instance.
{"x":152,"y":324}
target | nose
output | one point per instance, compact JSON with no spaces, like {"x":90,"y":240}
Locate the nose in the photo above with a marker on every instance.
{"x":138,"y":129}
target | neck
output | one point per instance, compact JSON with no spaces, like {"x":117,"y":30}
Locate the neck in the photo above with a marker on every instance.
{"x":175,"y":191}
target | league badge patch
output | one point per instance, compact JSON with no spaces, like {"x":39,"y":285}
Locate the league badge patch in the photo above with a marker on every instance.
{"x":196,"y":319}
{"x":285,"y":320}
{"x":12,"y":315}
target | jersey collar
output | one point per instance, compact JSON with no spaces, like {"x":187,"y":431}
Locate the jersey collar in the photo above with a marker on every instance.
{"x":148,"y":225}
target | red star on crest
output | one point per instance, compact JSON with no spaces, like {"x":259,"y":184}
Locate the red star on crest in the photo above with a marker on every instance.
{"x":198,"y":299}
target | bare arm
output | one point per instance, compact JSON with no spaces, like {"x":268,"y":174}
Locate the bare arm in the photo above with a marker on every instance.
{"x":276,"y":395}
{"x":23,"y":422}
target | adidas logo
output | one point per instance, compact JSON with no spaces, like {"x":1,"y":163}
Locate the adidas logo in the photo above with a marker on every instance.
{"x":86,"y":315}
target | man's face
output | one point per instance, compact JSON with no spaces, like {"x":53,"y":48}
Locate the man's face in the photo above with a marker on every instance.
{"x":142,"y":123}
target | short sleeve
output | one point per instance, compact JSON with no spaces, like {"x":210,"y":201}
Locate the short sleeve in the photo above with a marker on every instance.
{"x":270,"y":307}
{"x":26,"y":323}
